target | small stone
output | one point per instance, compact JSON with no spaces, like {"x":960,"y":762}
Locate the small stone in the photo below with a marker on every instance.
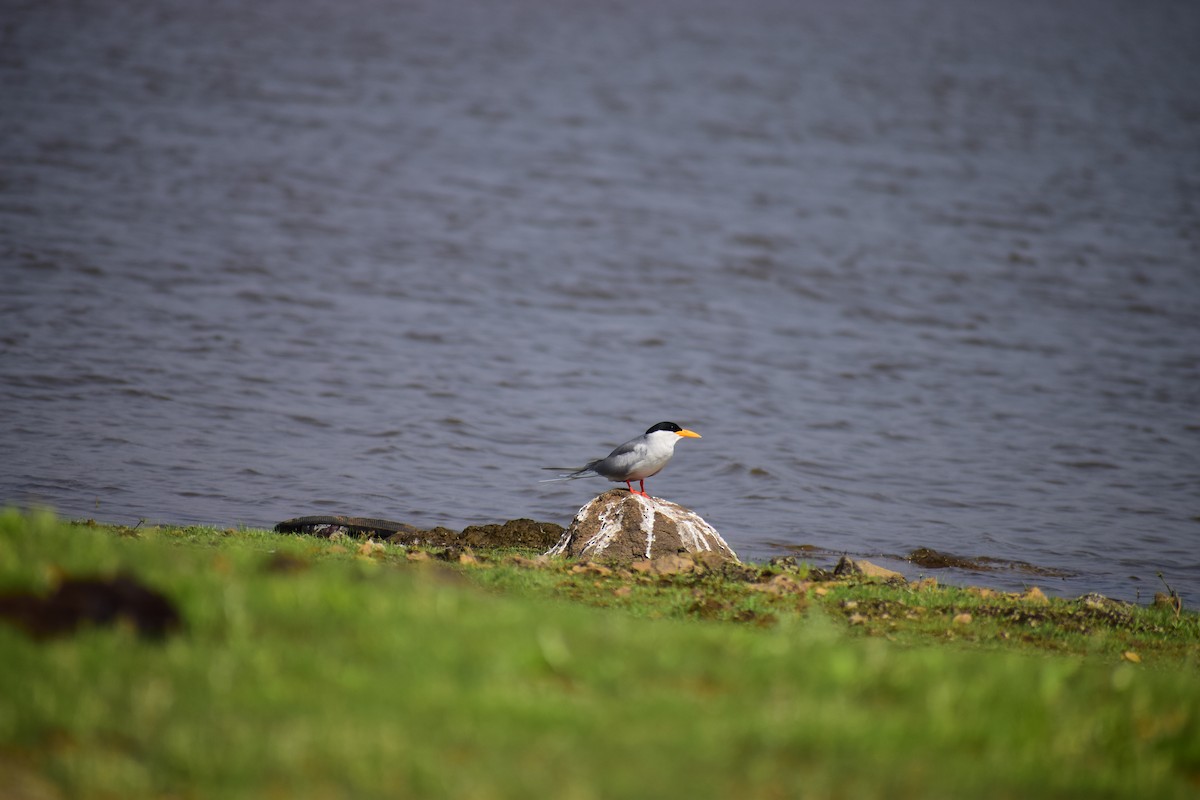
{"x":417,"y":555}
{"x":673,"y":564}
{"x":710,"y":559}
{"x":857,"y":619}
{"x":371,"y":548}
{"x":786,"y":584}
{"x":623,"y":591}
{"x":1129,"y":655}
{"x":781,"y":585}
{"x":1035,"y":595}
{"x":848,"y":566}
{"x":591,"y":568}
{"x":963,"y":619}
{"x":875,"y":571}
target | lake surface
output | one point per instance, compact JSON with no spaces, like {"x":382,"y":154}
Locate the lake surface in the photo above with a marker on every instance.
{"x":923,"y":274}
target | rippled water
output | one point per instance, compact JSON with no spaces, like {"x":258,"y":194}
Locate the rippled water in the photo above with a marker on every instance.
{"x":923,"y":274}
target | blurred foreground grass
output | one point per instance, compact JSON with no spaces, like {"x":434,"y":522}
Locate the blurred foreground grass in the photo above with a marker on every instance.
{"x":309,"y":669}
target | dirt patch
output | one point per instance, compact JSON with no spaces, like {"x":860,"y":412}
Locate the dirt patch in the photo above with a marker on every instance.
{"x":516,"y":533}
{"x":83,"y":602}
{"x":524,"y":533}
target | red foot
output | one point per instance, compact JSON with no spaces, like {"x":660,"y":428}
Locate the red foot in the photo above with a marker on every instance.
{"x":641,"y":484}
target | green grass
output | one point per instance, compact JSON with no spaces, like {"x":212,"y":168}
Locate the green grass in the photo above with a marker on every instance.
{"x":352,"y":675}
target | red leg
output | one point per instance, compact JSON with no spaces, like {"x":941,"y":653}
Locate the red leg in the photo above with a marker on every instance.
{"x":642,"y":484}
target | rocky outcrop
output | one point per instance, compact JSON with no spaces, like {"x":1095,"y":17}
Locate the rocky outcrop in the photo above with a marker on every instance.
{"x":624,"y":527}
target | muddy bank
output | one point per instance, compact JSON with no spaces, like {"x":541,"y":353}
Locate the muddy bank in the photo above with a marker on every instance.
{"x":933,"y":559}
{"x":528,"y":534}
{"x":515,"y":533}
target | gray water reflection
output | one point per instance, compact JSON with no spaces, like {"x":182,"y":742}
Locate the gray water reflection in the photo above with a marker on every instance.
{"x":922,"y":274}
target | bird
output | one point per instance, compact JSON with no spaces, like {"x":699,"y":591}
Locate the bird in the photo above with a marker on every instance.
{"x":635,"y":460}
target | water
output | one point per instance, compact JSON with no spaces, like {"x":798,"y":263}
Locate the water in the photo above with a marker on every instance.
{"x":923,"y":274}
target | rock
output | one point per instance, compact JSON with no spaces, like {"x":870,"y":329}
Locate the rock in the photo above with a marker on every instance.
{"x":848,"y":566}
{"x":330,"y":526}
{"x":781,"y":585}
{"x":673,"y":564}
{"x":932,"y":559}
{"x":588,"y":568}
{"x":623,"y":527}
{"x":1110,"y":611}
{"x":1035,"y":595}
{"x":1099,"y":601}
{"x":371,"y":548}
{"x":670,"y":564}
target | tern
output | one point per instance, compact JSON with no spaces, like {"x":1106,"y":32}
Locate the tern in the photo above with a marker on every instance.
{"x":635,"y":460}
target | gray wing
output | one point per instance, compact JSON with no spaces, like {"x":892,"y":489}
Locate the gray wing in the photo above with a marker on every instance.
{"x":633,"y":445}
{"x":621,"y":461}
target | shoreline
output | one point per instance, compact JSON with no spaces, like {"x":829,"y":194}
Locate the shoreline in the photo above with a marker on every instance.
{"x":1013,"y":575}
{"x":999,"y":573}
{"x":866,"y":598}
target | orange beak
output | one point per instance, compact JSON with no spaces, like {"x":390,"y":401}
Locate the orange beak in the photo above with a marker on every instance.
{"x":689,"y":434}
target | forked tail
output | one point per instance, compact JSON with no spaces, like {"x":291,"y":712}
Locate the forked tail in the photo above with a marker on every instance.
{"x":569,"y":474}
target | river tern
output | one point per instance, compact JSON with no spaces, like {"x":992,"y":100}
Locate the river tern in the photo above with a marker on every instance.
{"x":635,"y":460}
